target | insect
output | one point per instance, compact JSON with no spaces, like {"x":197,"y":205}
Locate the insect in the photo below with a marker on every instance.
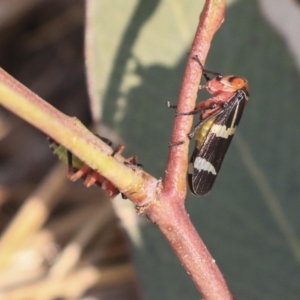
{"x":78,"y":169}
{"x":219,"y":117}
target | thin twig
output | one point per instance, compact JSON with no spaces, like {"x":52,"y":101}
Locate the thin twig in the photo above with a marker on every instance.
{"x":211,"y":18}
{"x":136,"y":184}
{"x":171,"y":216}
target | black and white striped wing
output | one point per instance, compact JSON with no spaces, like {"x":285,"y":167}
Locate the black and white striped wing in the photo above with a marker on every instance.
{"x":206,"y":162}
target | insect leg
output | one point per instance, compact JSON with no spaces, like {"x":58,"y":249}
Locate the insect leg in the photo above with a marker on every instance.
{"x":205,"y":71}
{"x":74,"y":174}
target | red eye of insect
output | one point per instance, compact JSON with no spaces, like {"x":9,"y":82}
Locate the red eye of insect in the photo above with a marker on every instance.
{"x":238,"y":83}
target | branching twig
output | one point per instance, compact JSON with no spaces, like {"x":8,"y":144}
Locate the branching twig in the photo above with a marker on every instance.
{"x":171,"y":216}
{"x":163,"y":204}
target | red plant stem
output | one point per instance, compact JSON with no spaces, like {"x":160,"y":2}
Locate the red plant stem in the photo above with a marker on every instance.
{"x":177,"y":227}
{"x":174,"y":183}
{"x":170,"y":215}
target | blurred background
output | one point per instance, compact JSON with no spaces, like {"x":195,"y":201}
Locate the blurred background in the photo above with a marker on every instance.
{"x":63,"y":241}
